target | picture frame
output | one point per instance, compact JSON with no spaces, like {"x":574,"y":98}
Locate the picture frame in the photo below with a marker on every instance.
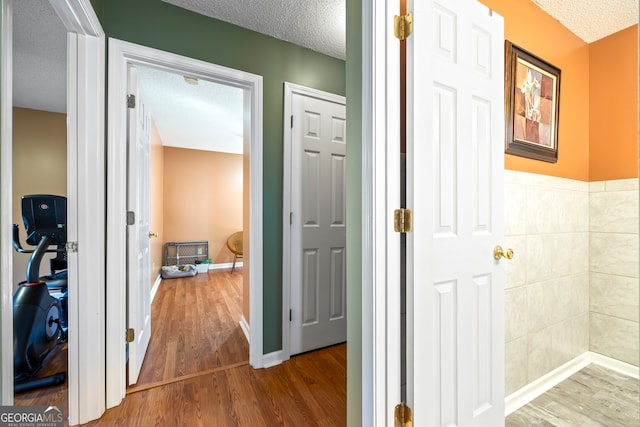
{"x":532,"y":105}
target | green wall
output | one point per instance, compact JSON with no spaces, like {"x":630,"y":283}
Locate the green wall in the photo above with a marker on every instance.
{"x":354,"y":212}
{"x":160,"y":25}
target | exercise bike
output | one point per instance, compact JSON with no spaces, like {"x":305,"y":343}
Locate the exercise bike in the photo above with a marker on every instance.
{"x":40,"y":303}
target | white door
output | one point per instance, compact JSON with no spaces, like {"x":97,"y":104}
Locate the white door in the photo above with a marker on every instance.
{"x":318,"y":223}
{"x":455,"y":185}
{"x":138,"y":219}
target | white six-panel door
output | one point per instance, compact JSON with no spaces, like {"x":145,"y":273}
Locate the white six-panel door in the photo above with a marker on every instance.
{"x":138,"y":255}
{"x":318,"y":223}
{"x":454,"y":187}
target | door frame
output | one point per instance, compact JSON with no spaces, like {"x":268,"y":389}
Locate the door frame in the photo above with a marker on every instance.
{"x":291,"y":89}
{"x":122,"y":53}
{"x":86,"y":198}
{"x":380,"y":345}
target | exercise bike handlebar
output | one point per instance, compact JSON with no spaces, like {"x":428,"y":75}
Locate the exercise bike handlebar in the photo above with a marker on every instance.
{"x":18,"y":247}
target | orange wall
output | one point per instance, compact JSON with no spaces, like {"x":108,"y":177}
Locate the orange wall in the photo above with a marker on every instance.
{"x":613,"y":104}
{"x":39,"y":167}
{"x":527,"y":26}
{"x":202,"y":198}
{"x":157,"y":202}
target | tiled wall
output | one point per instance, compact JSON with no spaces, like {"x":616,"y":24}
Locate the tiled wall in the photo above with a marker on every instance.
{"x":613,"y":211}
{"x":547,"y":282}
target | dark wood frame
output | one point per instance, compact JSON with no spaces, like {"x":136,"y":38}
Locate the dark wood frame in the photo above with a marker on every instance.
{"x":521,"y":147}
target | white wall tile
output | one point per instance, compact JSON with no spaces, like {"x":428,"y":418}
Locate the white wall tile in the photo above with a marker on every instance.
{"x":515,"y":271}
{"x":539,"y":210}
{"x":561,"y":231}
{"x":614,"y":212}
{"x":621,"y":184}
{"x":515,"y":212}
{"x":540,"y":359}
{"x":539,"y":257}
{"x":616,"y":296}
{"x":538,"y":309}
{"x":614,"y":253}
{"x":614,"y":337}
{"x":579,"y":248}
{"x":581,"y":293}
{"x":515,"y":318}
{"x":515,"y":358}
{"x":561,"y":343}
{"x":596,"y":186}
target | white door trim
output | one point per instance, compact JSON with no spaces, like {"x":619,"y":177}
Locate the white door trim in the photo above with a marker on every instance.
{"x":380,"y":195}
{"x":120,"y":54}
{"x":6,"y":201}
{"x":289,"y":90}
{"x":85,"y":115}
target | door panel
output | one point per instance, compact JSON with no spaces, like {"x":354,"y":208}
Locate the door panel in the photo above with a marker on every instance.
{"x":138,"y":251}
{"x":454,"y":187}
{"x":318,"y":226}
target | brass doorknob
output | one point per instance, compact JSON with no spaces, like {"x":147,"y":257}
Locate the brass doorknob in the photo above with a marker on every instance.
{"x":153,"y":234}
{"x":498,"y":253}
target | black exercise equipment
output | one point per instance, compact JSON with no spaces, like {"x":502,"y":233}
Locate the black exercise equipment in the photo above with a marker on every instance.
{"x":40,"y":303}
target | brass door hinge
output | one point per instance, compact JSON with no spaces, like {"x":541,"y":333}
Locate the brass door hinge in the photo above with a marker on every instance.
{"x":402,"y":220}
{"x":403,"y":26}
{"x":130,"y":335}
{"x":402,"y":416}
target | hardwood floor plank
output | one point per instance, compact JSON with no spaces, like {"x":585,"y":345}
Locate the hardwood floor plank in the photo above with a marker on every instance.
{"x":195,"y":326}
{"x":307,"y":390}
{"x":196,"y":371}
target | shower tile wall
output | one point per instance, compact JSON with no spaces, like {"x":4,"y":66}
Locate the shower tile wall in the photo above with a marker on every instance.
{"x":613,"y":211}
{"x":547,"y":282}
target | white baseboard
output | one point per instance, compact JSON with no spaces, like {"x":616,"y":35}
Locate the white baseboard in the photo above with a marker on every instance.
{"x":615,"y":365}
{"x":224,"y":265}
{"x":154,"y":288}
{"x":526,"y":394}
{"x":272,"y":359}
{"x":245,"y":329}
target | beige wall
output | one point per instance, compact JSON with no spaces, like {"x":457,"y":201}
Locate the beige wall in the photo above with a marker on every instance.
{"x":39,"y":167}
{"x":202,"y":198}
{"x":157,"y":202}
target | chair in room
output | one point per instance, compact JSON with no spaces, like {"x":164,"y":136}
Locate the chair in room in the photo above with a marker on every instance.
{"x":234,"y":243}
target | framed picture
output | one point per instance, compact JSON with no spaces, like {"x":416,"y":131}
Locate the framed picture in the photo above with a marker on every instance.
{"x":532,"y":104}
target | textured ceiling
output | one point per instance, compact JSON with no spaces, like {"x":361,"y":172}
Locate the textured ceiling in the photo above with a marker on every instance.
{"x":206,"y":116}
{"x":39,"y":57}
{"x":315,"y":24}
{"x":592,"y":20}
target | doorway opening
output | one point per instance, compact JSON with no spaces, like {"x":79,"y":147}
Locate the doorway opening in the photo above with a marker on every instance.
{"x":83,"y":69}
{"x":39,"y":167}
{"x":196,"y":203}
{"x":122,"y":55}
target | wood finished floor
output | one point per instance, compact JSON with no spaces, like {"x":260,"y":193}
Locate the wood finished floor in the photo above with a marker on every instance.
{"x":307,"y":390}
{"x":196,"y":369}
{"x":195,"y":324}
{"x":595,"y":396}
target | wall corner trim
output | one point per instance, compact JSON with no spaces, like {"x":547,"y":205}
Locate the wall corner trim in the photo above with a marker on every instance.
{"x":244,"y":325}
{"x":154,"y":288}
{"x":272,"y":359}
